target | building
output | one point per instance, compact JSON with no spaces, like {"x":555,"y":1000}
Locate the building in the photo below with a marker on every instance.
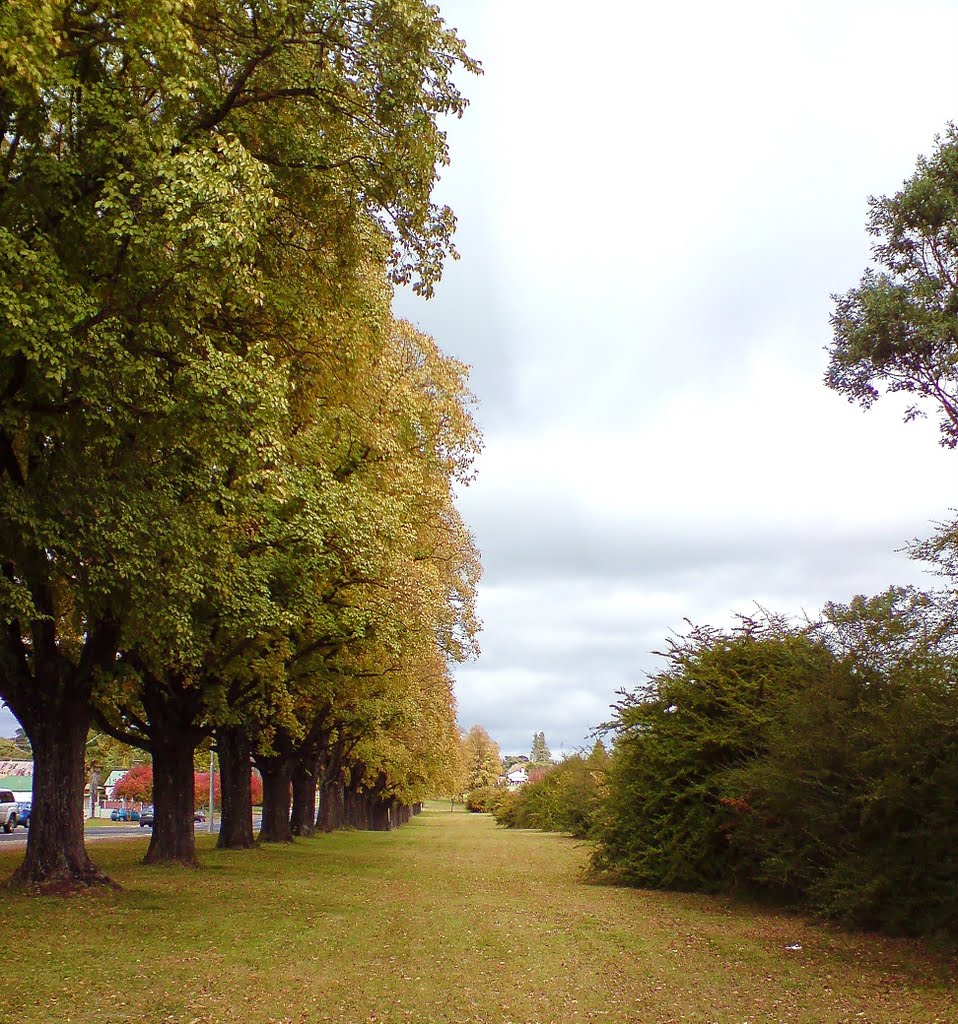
{"x":14,"y":769}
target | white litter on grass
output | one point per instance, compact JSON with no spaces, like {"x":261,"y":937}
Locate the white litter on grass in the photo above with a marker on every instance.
{"x":794,"y":946}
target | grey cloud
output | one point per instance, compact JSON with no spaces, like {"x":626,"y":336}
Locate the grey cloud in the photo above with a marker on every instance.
{"x":465,"y":319}
{"x":565,"y":710}
{"x":554,"y":544}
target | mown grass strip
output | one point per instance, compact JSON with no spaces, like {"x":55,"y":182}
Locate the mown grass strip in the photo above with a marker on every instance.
{"x":447,"y":920}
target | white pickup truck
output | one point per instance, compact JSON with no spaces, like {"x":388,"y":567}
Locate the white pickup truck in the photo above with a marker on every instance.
{"x":8,"y":811}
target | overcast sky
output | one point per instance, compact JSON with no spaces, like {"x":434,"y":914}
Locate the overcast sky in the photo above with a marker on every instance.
{"x":655,"y":203}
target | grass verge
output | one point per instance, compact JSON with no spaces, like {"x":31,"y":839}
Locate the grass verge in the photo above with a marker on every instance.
{"x":448,"y":920}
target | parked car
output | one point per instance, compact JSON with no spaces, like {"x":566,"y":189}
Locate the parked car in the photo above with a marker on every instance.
{"x":8,"y":810}
{"x":23,"y":813}
{"x":122,"y":814}
{"x":146,"y":818}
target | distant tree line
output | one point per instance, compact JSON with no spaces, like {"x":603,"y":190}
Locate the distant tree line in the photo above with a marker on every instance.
{"x":226,"y":471}
{"x":485,"y":769}
{"x":15,"y":749}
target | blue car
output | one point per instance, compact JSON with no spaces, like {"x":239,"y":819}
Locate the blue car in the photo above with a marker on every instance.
{"x":122,"y":814}
{"x":23,"y":814}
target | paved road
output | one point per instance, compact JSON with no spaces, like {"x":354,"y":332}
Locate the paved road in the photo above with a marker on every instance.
{"x":19,"y":835}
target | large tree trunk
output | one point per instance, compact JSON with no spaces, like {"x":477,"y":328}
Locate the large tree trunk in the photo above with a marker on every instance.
{"x":355,"y":798}
{"x":331,"y":806}
{"x":172,"y":840}
{"x":379,"y":814}
{"x":356,"y":807}
{"x":399,"y":813}
{"x":56,"y":857}
{"x":308,"y":756}
{"x":332,"y":810}
{"x":236,"y":823}
{"x":276,"y":799}
{"x":305,"y":779}
{"x":51,"y":697}
{"x":173,"y":706}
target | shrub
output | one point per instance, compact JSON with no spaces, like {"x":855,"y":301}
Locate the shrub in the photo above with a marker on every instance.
{"x":817,"y":765}
{"x":566,"y":799}
{"x":484,"y":800}
{"x":664,"y":823}
{"x":851,"y":809}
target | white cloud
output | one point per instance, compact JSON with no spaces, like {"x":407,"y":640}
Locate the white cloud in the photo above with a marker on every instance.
{"x":656,"y":202}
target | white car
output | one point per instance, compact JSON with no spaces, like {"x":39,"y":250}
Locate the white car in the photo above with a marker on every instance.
{"x":8,"y":811}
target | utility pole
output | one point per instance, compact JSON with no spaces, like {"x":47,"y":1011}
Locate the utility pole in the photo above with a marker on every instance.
{"x":210,"y":826}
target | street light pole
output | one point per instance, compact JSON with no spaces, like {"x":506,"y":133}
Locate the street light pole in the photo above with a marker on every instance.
{"x":211,"y":792}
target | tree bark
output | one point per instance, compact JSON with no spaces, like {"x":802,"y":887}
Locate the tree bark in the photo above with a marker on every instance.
{"x":356,"y":808}
{"x":51,"y":697}
{"x":379,"y":814}
{"x":379,"y":805}
{"x":332,"y":810}
{"x":172,"y":707}
{"x":173,"y":839}
{"x":399,"y":813}
{"x":331,"y":806}
{"x":305,"y":779}
{"x":308,"y":756}
{"x":56,"y":857}
{"x":276,"y":799}
{"x":236,"y":822}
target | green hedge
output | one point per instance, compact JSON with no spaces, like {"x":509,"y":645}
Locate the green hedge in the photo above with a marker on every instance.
{"x":484,"y":800}
{"x":566,"y":799}
{"x":817,"y":764}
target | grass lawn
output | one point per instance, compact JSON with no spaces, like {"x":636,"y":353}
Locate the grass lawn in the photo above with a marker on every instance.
{"x":449,"y":919}
{"x":106,"y":823}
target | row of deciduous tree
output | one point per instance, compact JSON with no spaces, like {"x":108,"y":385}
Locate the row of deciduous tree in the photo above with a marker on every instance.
{"x":226,"y":472}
